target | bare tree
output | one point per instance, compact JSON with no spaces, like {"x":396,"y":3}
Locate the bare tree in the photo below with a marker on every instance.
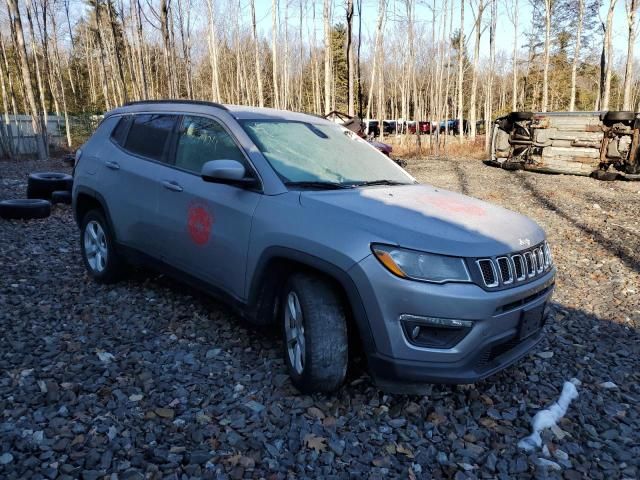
{"x":257,"y":53}
{"x":576,"y":55}
{"x":547,"y":48}
{"x":213,"y":53}
{"x":461,"y":74}
{"x":513,"y":16}
{"x":350,"y":99}
{"x":36,"y":120}
{"x":477,"y":26}
{"x":607,"y":58}
{"x":326,"y":13}
{"x":492,"y":66}
{"x":382,"y":7}
{"x":632,"y":10}
{"x":274,"y":51}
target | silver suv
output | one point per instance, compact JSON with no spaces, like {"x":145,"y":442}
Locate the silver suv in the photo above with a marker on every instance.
{"x":300,"y":224}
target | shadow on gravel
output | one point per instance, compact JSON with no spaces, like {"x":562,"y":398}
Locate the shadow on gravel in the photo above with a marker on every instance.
{"x":614,"y":247}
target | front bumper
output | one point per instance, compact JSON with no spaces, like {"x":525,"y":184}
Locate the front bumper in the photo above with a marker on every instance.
{"x":492,"y":344}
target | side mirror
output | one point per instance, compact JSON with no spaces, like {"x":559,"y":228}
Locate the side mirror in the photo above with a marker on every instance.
{"x":229,"y":172}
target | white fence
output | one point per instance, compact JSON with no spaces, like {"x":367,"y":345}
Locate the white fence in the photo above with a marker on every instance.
{"x":20,"y":133}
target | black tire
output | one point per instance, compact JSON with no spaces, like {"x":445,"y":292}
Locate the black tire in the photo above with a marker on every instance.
{"x":24,"y":208}
{"x":114,"y":264}
{"x":605,"y":176}
{"x":618,"y":116}
{"x":519,"y":116}
{"x":43,"y":184}
{"x":61,"y":196}
{"x":326,"y":345}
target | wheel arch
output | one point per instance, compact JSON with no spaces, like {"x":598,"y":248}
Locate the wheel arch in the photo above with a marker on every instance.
{"x":87,"y":199}
{"x":272,"y":270}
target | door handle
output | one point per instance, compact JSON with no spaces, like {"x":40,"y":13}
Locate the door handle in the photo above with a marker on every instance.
{"x":173,"y":186}
{"x":112,"y":165}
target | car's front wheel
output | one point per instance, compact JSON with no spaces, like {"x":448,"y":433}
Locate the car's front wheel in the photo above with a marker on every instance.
{"x":315,"y":333}
{"x":97,"y":244}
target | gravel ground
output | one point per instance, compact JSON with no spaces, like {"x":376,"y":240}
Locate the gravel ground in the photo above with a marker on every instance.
{"x":150,"y":379}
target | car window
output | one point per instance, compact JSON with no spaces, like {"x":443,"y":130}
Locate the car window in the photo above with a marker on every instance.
{"x":149,"y":134}
{"x":201,"y":140}
{"x":120,"y":132}
{"x":301,"y":151}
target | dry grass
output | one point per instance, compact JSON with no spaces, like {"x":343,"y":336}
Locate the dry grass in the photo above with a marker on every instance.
{"x":409,"y":146}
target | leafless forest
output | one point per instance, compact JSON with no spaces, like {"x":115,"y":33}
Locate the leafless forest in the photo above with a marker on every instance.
{"x":81,"y":57}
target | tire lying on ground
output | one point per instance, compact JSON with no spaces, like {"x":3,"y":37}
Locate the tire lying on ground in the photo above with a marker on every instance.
{"x":25,"y":208}
{"x":618,"y":116}
{"x":43,"y":184}
{"x":61,"y":196}
{"x":518,"y":116}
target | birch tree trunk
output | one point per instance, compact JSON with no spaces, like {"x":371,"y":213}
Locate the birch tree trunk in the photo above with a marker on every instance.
{"x":274,"y":52}
{"x":141,"y":66}
{"x":514,"y":62}
{"x":327,"y":55}
{"x":257,"y":53}
{"x":576,"y":56}
{"x":547,"y":47}
{"x":382,"y":6}
{"x":606,"y":88}
{"x":474,"y":74}
{"x":632,"y":9}
{"x":36,"y":120}
{"x":461,"y":75}
{"x":213,"y":53}
{"x":492,"y":66}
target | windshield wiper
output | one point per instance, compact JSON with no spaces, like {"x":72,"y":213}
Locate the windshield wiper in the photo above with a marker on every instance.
{"x":379,"y":182}
{"x":319,"y":185}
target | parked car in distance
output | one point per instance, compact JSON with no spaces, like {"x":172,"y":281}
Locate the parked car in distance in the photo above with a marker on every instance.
{"x":389,"y":127}
{"x":303,"y":227}
{"x":373,"y":128}
{"x":422,"y":127}
{"x":603,"y":144}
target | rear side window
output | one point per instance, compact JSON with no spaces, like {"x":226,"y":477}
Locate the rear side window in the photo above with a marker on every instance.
{"x":119,"y":133}
{"x":149,"y":135}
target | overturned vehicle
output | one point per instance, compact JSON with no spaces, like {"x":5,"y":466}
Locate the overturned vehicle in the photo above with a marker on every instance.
{"x":600,"y":144}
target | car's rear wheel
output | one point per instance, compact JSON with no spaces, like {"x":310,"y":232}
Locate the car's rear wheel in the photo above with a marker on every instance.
{"x":315,"y":333}
{"x":97,"y":244}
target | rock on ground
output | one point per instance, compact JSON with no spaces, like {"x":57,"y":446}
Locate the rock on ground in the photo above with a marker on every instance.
{"x":191,"y":391}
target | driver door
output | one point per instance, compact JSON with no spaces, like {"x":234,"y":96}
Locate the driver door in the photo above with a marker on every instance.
{"x":207,"y":225}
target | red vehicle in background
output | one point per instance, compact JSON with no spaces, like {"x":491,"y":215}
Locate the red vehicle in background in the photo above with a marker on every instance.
{"x":422,"y":127}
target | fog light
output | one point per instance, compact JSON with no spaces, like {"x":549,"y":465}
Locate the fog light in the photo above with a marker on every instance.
{"x":437,"y":322}
{"x":433,"y":332}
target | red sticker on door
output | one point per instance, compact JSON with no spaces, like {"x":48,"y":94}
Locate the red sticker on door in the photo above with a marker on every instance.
{"x":199,"y":223}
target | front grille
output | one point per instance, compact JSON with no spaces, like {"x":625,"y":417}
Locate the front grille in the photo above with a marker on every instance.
{"x":516,"y":267}
{"x":488,"y":271}
{"x":504,"y":267}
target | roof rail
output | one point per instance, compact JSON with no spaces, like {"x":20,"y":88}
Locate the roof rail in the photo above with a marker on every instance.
{"x":191,"y":102}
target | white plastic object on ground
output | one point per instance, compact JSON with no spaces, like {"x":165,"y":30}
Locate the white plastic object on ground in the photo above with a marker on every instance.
{"x":549,"y":417}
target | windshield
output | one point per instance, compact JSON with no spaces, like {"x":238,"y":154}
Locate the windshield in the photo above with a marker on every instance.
{"x":306,"y":152}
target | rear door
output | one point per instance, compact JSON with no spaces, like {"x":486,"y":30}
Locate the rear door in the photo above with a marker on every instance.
{"x":206,"y":226}
{"x":142,"y":145}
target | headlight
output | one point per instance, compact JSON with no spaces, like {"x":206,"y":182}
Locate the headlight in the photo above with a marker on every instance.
{"x":428,"y":267}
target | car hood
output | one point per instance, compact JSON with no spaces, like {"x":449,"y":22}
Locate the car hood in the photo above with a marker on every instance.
{"x":426,"y":218}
